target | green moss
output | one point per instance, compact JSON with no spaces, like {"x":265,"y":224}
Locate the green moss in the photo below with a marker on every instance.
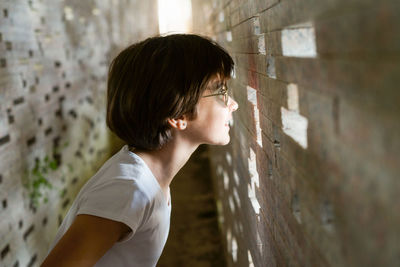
{"x":37,"y":181}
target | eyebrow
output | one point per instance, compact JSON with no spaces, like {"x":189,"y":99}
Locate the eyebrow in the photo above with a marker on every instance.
{"x":216,"y":85}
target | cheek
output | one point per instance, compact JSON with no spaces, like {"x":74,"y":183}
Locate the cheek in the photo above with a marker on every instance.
{"x":217,"y":122}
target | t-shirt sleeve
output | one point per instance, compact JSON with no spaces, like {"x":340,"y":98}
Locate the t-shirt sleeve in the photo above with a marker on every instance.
{"x":118,"y":200}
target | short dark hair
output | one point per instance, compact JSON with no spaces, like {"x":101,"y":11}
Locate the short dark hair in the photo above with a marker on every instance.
{"x":159,"y":78}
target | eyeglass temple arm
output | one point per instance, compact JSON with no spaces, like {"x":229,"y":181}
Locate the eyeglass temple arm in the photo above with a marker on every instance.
{"x":214,"y":94}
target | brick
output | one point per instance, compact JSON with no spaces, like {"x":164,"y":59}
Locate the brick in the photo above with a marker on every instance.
{"x":360,"y":81}
{"x":263,"y":5}
{"x":273,"y":41}
{"x":246,"y":45}
{"x":251,"y":62}
{"x":347,"y":173}
{"x":375,"y":36}
{"x":245,"y":29}
{"x":269,"y":109}
{"x":381,"y":136}
{"x":289,"y":13}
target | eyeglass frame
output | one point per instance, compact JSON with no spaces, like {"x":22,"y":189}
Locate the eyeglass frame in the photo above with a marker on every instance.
{"x":225,"y":90}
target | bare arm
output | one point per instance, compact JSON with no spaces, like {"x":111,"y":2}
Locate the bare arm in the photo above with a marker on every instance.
{"x":86,"y":241}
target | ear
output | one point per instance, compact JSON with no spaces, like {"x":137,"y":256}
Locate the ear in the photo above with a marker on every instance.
{"x":179,"y":123}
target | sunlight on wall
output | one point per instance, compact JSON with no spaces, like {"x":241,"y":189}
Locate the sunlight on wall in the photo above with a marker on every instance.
{"x":254,"y":182}
{"x":299,"y":41}
{"x":294,"y":124}
{"x":252,"y":97}
{"x":250,"y":259}
{"x":174,"y":16}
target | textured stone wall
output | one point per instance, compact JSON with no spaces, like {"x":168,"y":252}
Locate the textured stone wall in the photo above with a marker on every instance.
{"x":54,"y":58}
{"x":311,"y":177}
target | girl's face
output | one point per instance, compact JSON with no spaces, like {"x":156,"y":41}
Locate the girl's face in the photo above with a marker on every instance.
{"x":211,"y":125}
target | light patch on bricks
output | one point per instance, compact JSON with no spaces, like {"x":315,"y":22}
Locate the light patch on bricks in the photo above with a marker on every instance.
{"x":221,"y":16}
{"x":229,"y":36}
{"x":231,"y":204}
{"x":261,"y":44}
{"x":96,"y":11}
{"x":256,"y":25}
{"x":228,"y":158}
{"x":3,"y":123}
{"x":234,"y":249}
{"x":253,"y":168}
{"x":236,"y":177}
{"x":252,"y":97}
{"x":258,"y":128}
{"x":68,"y":13}
{"x":293,"y":97}
{"x":38,"y":67}
{"x":259,"y":242}
{"x":226,"y":180}
{"x":271,"y":67}
{"x":299,"y":41}
{"x":220,"y":170}
{"x":254,"y":182}
{"x":293,"y":124}
{"x":250,"y":259}
{"x":233,"y":74}
{"x":232,"y":244}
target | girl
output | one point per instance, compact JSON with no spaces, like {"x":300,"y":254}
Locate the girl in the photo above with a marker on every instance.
{"x":166,"y":96}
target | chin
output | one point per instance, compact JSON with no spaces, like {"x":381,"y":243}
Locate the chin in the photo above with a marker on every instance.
{"x":224,"y":142}
{"x":220,"y":141}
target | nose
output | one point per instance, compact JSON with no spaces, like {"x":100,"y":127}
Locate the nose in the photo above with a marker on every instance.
{"x":232,"y":104}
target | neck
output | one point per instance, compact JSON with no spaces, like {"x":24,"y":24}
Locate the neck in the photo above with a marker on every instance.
{"x":167,"y":161}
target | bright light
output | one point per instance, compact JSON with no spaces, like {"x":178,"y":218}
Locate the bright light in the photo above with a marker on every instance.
{"x":293,"y":124}
{"x":175,"y":16}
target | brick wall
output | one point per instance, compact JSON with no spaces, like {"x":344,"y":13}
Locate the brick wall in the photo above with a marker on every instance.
{"x":54,"y":58}
{"x":311,"y":176}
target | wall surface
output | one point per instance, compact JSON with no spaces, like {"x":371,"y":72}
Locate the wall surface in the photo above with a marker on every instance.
{"x":54,"y":58}
{"x":311,"y":176}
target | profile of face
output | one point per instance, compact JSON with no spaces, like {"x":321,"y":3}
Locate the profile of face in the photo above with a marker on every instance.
{"x":214,"y":111}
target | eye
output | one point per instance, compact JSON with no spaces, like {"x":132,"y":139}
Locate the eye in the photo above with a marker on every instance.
{"x":222,"y":89}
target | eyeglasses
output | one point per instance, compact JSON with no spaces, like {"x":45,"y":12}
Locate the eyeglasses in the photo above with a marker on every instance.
{"x":223,"y":92}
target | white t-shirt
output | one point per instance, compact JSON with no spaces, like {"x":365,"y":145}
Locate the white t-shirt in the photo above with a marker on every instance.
{"x":125,"y":190}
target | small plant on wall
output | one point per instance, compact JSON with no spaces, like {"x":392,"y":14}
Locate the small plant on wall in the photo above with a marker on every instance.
{"x":37,"y":181}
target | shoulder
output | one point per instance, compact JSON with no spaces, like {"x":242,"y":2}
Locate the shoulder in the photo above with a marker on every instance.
{"x":125,"y":165}
{"x":118,"y":200}
{"x":118,"y":190}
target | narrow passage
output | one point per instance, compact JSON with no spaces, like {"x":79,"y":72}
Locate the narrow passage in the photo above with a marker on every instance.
{"x":194,"y":239}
